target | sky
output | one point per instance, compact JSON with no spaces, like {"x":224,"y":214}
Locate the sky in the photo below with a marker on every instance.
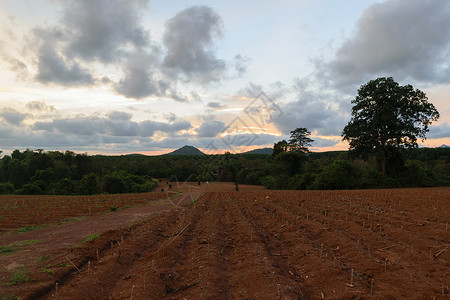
{"x":138,"y":76}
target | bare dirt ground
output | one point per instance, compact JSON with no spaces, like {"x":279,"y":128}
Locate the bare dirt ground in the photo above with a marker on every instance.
{"x":216,"y":243}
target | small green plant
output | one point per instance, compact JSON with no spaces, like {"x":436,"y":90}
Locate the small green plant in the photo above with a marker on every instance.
{"x":28,"y":228}
{"x":113,"y":208}
{"x":18,"y":277}
{"x":194,"y":200}
{"x":44,"y":258}
{"x":48,"y":270}
{"x":61,"y":265}
{"x":91,"y":237}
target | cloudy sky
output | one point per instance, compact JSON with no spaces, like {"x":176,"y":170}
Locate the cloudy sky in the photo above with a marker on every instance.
{"x":137,"y":76}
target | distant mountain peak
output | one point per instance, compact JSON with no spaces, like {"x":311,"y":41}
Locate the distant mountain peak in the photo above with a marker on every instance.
{"x":186,"y":150}
{"x":443,"y":146}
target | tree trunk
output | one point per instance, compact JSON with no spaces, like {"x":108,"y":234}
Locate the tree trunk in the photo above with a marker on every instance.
{"x":383,"y":165}
{"x":383,"y":158}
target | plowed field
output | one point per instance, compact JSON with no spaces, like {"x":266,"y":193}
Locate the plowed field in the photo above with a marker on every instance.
{"x":257,"y":244}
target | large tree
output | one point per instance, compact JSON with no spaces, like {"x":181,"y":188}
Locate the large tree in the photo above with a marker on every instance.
{"x":387,"y":116}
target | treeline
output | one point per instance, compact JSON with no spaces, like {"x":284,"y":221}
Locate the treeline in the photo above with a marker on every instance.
{"x":66,"y":173}
{"x":423,"y":167}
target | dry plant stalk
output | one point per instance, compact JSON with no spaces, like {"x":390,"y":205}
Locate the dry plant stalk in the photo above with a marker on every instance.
{"x":72,"y":264}
{"x":56,"y":291}
{"x":371,"y":287}
{"x":351,"y":279}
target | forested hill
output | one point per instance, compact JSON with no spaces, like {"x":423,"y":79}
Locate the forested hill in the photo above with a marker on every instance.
{"x":54,"y":172}
{"x":186,"y":150}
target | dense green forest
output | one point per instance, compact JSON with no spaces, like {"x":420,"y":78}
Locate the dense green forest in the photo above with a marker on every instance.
{"x":68,"y":173}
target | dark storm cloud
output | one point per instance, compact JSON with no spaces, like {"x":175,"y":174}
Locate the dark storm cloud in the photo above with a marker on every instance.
{"x":102,"y":29}
{"x":12,"y":116}
{"x":408,"y":40}
{"x":189,"y":38}
{"x":210,"y":128}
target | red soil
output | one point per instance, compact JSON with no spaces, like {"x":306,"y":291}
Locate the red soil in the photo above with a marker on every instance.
{"x":252,"y":244}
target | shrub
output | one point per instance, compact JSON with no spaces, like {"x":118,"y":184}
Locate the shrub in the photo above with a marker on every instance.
{"x":6,"y":188}
{"x":340,"y":174}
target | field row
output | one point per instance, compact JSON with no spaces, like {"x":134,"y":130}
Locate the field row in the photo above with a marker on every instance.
{"x":30,"y":211}
{"x":271,"y":245}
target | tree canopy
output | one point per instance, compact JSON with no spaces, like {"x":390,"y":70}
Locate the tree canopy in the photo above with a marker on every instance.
{"x":300,"y":140}
{"x":387,"y":116}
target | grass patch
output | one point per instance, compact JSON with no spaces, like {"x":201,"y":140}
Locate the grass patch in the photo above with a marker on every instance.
{"x":6,"y":249}
{"x":18,"y":277}
{"x":91,"y":237}
{"x":49,"y":269}
{"x":69,"y":220}
{"x":28,"y":228}
{"x":26,"y":243}
{"x":14,"y":246}
{"x":8,"y":297}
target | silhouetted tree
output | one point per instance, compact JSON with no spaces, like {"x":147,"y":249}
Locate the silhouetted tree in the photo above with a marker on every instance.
{"x":300,"y":140}
{"x":280,"y":147}
{"x":387,"y":116}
